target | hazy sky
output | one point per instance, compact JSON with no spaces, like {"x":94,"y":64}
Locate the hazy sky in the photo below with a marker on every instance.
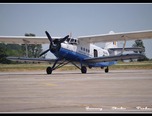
{"x":80,"y":19}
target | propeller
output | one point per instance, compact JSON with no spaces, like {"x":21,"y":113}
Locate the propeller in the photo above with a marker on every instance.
{"x":49,"y":37}
{"x":44,"y":52}
{"x":63,"y":39}
{"x":55,"y":45}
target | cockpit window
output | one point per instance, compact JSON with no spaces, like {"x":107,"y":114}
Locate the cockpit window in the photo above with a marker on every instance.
{"x":68,"y":39}
{"x":72,"y":41}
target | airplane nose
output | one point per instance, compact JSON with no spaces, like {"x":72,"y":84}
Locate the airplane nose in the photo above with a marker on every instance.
{"x":55,"y":45}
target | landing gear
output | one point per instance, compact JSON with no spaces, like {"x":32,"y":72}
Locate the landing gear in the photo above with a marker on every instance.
{"x":107,"y":70}
{"x":49,"y":70}
{"x":64,"y":62}
{"x":83,"y":69}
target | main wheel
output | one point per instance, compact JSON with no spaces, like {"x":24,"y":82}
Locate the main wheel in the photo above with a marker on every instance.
{"x":83,"y":69}
{"x":107,"y":70}
{"x":49,"y":70}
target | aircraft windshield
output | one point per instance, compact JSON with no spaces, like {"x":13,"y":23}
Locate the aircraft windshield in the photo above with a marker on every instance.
{"x":72,"y":41}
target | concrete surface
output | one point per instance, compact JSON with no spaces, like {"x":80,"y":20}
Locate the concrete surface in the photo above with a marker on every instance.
{"x":71,"y":91}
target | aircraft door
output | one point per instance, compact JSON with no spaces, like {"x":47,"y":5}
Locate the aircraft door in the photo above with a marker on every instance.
{"x":95,"y":53}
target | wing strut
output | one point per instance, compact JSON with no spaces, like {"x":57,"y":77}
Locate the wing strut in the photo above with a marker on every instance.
{"x":26,"y":45}
{"x":123,"y":46}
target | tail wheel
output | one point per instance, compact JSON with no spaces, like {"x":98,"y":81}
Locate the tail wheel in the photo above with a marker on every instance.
{"x":49,"y":70}
{"x":107,"y":70}
{"x":83,"y":69}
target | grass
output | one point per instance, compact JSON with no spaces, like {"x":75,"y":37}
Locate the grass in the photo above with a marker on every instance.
{"x":29,"y":67}
{"x":32,"y":67}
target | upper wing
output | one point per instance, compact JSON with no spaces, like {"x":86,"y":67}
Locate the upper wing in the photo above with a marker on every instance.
{"x":114,"y":58}
{"x":24,"y":39}
{"x":117,"y":36}
{"x":89,"y":39}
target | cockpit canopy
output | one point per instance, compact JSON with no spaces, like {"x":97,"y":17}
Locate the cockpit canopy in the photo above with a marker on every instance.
{"x":72,"y":41}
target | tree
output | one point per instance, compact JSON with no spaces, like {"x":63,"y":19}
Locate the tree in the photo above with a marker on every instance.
{"x":14,"y":50}
{"x":3,"y":55}
{"x":34,"y":50}
{"x":9,"y":50}
{"x":139,"y":43}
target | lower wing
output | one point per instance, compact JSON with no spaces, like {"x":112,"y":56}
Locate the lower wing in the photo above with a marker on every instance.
{"x":114,"y":58}
{"x":88,"y":60}
{"x":24,"y":59}
{"x":127,"y":49}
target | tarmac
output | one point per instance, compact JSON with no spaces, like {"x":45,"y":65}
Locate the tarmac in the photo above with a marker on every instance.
{"x":72,"y":92}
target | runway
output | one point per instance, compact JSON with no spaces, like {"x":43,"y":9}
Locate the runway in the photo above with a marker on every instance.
{"x":71,"y":91}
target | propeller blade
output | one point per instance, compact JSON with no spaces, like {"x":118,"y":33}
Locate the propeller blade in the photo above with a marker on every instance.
{"x":63,"y":39}
{"x":49,"y":37}
{"x":44,"y":52}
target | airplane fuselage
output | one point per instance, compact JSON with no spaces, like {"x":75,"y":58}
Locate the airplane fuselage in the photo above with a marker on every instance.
{"x":79,"y":51}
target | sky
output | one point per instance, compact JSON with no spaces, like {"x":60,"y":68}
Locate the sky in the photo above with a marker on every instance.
{"x":80,"y":19}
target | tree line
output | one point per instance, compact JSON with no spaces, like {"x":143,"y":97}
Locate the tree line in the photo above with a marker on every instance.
{"x":19,"y":50}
